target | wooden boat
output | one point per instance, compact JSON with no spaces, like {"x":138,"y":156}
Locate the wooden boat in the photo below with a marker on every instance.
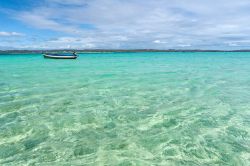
{"x":60,"y":56}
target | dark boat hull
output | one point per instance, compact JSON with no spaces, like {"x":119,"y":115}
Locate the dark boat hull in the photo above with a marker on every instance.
{"x":57,"y":56}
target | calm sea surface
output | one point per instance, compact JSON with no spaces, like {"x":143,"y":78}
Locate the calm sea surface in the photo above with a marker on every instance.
{"x":125,"y":109}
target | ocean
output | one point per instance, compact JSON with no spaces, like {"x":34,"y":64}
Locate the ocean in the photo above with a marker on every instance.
{"x":154,"y":108}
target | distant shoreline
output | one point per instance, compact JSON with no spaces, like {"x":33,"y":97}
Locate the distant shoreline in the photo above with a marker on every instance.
{"x":111,"y":51}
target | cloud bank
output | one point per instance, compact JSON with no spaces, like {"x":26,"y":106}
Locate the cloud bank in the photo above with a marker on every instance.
{"x":161,"y":24}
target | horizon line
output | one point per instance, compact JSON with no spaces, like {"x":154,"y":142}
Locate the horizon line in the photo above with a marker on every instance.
{"x":124,"y":50}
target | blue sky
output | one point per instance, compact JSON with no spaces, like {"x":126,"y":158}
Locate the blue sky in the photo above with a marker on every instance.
{"x":125,"y":24}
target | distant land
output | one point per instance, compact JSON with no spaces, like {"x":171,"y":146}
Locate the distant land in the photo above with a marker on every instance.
{"x":111,"y":50}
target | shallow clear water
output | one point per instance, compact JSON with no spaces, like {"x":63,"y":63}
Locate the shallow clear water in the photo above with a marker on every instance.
{"x":125,"y":109}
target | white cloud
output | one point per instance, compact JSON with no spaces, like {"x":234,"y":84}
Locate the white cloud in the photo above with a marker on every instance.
{"x":185,"y":45}
{"x":143,"y":24}
{"x":159,"y":42}
{"x":71,"y":42}
{"x":42,"y":22}
{"x":8,"y":34}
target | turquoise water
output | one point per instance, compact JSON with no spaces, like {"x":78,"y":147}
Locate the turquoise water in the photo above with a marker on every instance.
{"x":125,"y":109}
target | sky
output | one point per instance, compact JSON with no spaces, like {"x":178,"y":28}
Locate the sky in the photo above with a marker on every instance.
{"x":125,"y":24}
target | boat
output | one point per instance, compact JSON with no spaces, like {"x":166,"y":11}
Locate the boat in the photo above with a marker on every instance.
{"x":60,"y":56}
